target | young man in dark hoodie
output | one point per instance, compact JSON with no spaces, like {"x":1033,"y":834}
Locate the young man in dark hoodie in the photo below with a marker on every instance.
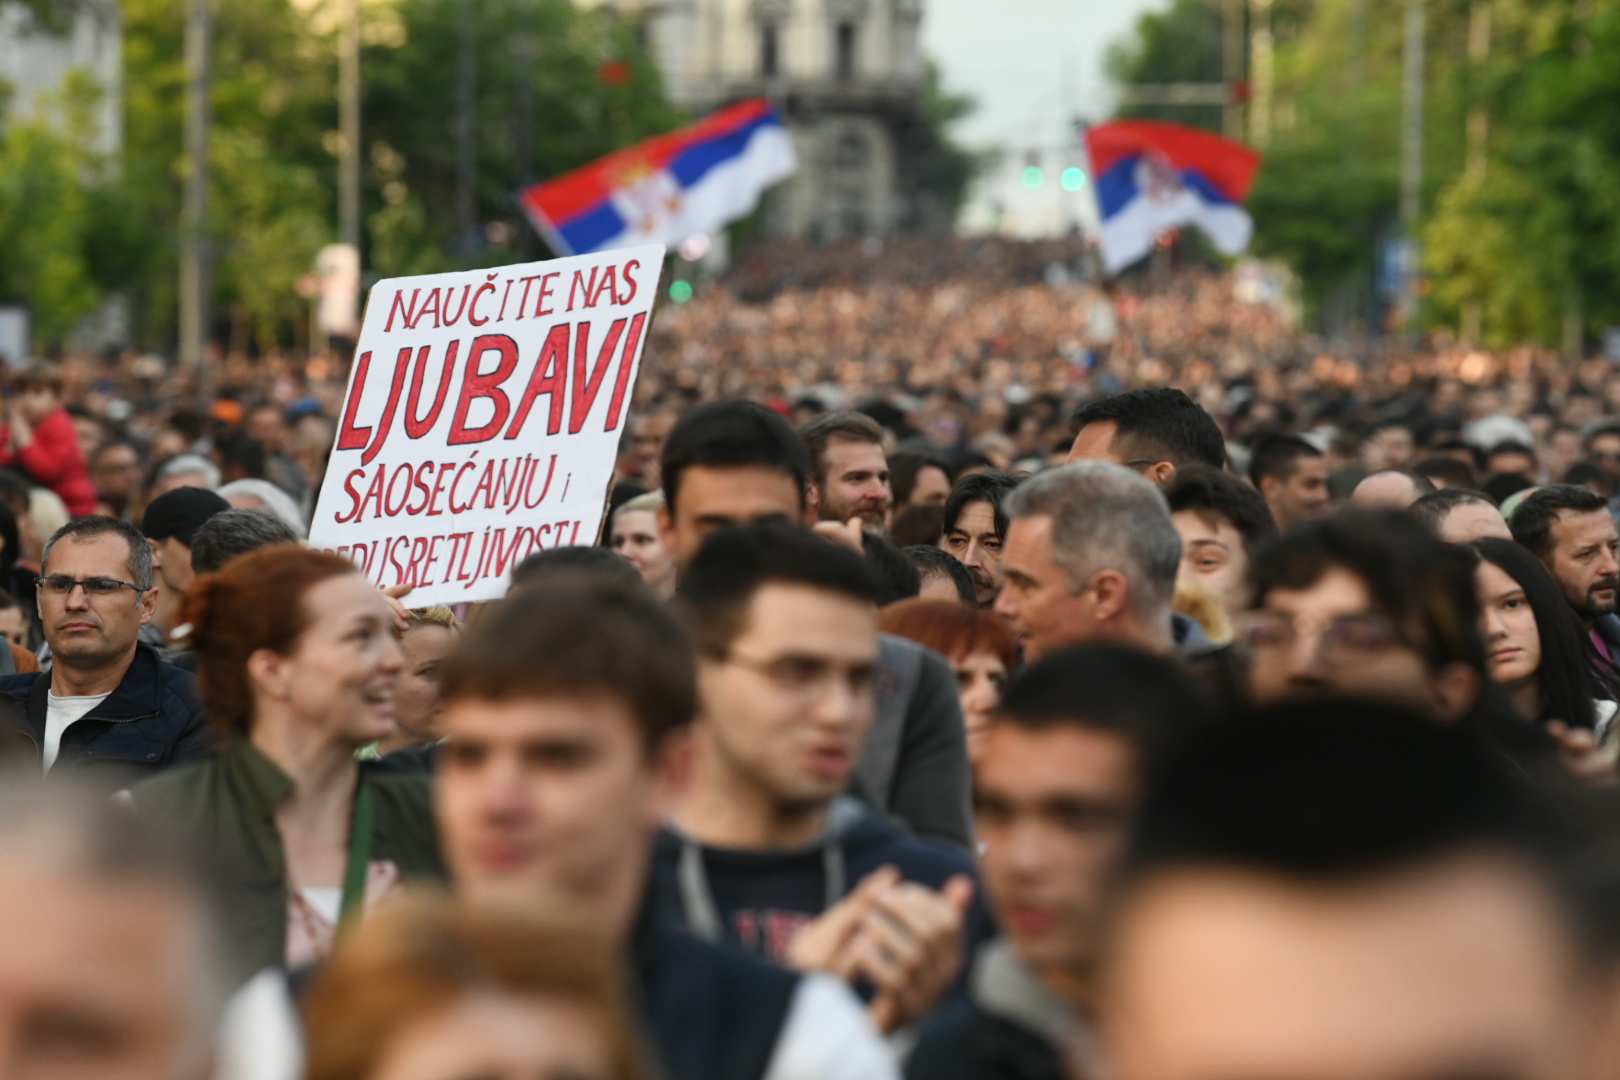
{"x":1064,"y":762}
{"x":566,"y":711}
{"x":764,"y":848}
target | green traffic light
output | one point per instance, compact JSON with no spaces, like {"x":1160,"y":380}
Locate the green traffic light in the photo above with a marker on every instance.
{"x":1072,"y":179}
{"x":1033,"y":178}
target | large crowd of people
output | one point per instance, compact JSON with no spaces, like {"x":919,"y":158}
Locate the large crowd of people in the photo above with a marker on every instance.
{"x":979,"y":675}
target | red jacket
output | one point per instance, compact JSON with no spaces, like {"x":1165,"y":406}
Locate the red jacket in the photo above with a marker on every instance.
{"x":54,"y":461}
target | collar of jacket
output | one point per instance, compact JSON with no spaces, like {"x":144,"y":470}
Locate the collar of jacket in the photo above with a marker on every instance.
{"x":1003,"y":986}
{"x":136,"y":697}
{"x":253,"y":774}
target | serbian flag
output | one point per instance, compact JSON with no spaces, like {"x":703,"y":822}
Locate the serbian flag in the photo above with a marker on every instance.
{"x":669,"y":187}
{"x":1152,"y":176}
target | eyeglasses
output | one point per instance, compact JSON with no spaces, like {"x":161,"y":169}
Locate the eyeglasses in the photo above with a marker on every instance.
{"x":100,"y":587}
{"x":805,"y":676}
{"x":1341,"y":638}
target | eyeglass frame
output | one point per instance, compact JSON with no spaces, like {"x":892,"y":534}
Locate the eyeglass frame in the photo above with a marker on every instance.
{"x":788,"y":684}
{"x":46,"y":583}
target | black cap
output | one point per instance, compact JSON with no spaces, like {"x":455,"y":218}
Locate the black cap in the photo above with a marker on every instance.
{"x":180,"y":513}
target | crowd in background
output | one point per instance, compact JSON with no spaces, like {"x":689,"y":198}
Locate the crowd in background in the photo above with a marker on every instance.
{"x":980,"y":675}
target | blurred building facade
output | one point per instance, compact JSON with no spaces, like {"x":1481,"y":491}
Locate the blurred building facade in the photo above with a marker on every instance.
{"x":848,"y":78}
{"x":39,"y":63}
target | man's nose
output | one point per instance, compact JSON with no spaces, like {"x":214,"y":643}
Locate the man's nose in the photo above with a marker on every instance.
{"x":1609,"y":565}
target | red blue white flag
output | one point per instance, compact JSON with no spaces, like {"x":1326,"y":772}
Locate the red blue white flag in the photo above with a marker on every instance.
{"x":669,"y":187}
{"x":1151,"y":176}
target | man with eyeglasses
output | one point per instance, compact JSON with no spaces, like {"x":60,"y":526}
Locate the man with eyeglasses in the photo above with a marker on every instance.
{"x":109,"y":711}
{"x":1367,"y":604}
{"x":764,"y":850}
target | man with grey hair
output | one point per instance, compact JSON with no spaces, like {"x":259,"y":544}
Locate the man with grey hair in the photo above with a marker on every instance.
{"x":109,"y":710}
{"x":1091,"y":555}
{"x":112,"y":952}
{"x":234,"y":532}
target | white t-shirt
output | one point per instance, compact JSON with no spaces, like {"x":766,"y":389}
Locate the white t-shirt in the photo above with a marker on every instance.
{"x":60,"y":714}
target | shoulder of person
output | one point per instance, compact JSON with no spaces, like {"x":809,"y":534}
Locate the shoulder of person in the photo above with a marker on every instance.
{"x":405,"y":829}
{"x":873,"y":839}
{"x":182,"y":792}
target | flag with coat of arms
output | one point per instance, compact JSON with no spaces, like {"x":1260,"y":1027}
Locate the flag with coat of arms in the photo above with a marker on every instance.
{"x":669,"y":187}
{"x":1152,"y":176}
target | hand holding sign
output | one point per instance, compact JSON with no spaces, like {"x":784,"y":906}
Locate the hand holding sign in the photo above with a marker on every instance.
{"x":483,"y":419}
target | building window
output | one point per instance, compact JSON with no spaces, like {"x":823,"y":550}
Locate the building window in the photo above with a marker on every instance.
{"x":767,"y":50}
{"x":845,"y":60}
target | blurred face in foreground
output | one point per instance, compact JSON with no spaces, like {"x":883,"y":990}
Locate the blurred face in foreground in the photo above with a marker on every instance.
{"x":1051,"y":808}
{"x":98,"y":979}
{"x":501,"y":1036}
{"x":1327,"y":638}
{"x":1457,"y":968}
{"x":549,"y":798}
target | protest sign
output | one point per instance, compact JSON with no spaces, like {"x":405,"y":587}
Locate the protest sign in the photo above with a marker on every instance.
{"x":483,"y":419}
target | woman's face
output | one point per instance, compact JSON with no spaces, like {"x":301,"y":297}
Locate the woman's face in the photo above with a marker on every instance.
{"x":1512,"y":640}
{"x":341,"y":675}
{"x":494,"y":1036}
{"x":416,"y":695}
{"x":979,"y":679}
{"x":636,"y":538}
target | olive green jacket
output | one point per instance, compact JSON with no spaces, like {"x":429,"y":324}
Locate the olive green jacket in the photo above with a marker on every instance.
{"x":228,"y":803}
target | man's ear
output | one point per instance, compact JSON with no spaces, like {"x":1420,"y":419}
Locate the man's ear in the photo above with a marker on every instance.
{"x":1268,"y":486}
{"x":1112,"y":592}
{"x":666,"y":527}
{"x":1162,"y":473}
{"x":157,"y":553}
{"x":1454,"y":689}
{"x":812,"y":501}
{"x":148,"y":605}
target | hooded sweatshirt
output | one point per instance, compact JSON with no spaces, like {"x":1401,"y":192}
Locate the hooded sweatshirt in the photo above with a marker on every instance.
{"x":761,"y":899}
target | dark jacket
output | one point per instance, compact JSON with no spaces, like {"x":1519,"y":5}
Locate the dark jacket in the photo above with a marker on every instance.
{"x":710,"y":1012}
{"x":228,"y":803}
{"x":151,"y":722}
{"x":1007,"y":1027}
{"x":914,"y":767}
{"x":760,"y":899}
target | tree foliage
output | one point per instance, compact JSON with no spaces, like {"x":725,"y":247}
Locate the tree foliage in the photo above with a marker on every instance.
{"x":1533,"y":242}
{"x":74,"y":229}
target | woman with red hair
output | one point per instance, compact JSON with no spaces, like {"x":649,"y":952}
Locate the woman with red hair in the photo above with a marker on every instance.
{"x":976,"y":642}
{"x":298,"y":668}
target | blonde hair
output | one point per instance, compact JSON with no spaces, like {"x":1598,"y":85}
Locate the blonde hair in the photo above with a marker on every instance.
{"x":435,"y":616}
{"x":652,"y":501}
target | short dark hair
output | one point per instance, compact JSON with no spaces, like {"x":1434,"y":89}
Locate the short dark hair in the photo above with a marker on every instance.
{"x":990,"y":486}
{"x":932,"y":562}
{"x":581,"y":638}
{"x":1451,"y":472}
{"x":1509,"y":446}
{"x":236,"y":449}
{"x":1150,"y":700}
{"x":1206,"y":491}
{"x":734,"y":563}
{"x":88,"y":528}
{"x":1433,"y":509}
{"x":904,"y":468}
{"x":574,"y":562}
{"x":848,"y":426}
{"x":1332,"y":791}
{"x":1161,"y":423}
{"x":1278,"y":456}
{"x":1503,"y":486}
{"x":897,"y":575}
{"x":730,"y":435}
{"x":234,"y":532}
{"x":1580,"y":474}
{"x":1532,"y":522}
{"x":918,"y":525}
{"x":1422,"y":586}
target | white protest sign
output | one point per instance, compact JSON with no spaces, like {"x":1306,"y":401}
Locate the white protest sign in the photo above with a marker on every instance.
{"x":483,"y":419}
